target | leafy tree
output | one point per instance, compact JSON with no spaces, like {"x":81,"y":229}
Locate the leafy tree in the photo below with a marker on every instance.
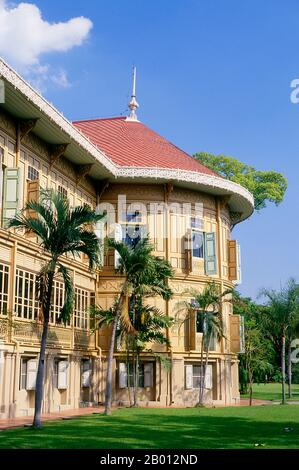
{"x":255,"y":356}
{"x":282,"y":322}
{"x":266,"y":186}
{"x":62,"y":231}
{"x":206,"y":307}
{"x":144,"y":274}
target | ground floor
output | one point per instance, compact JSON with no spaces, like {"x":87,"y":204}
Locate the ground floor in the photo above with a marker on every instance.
{"x":75,"y":379}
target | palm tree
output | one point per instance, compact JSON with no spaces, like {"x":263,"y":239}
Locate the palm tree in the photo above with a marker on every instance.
{"x":150,"y":324}
{"x":144,"y":274}
{"x":61,"y":231}
{"x":282,"y":322}
{"x":206,"y":307}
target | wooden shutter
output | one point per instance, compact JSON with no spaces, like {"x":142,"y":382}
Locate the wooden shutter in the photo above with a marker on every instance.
{"x":209,"y":377}
{"x":192,"y":330}
{"x":210,"y":253}
{"x":11,"y":194}
{"x":62,"y":375}
{"x":235,"y":333}
{"x":232,"y":260}
{"x":122,"y":375}
{"x":31,"y":374}
{"x":33,"y":193}
{"x":118,"y":236}
{"x":189,"y":376}
{"x":148,"y":374}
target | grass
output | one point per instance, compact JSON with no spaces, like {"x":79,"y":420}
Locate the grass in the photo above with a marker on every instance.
{"x":145,"y":428}
{"x":272,"y":391}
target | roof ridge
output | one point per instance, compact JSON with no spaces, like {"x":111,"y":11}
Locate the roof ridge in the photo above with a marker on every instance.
{"x":100,"y":119}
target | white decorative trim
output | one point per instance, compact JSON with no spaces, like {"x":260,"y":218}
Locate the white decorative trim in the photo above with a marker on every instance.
{"x":54,"y":115}
{"x":187,"y":176}
{"x":119,"y":171}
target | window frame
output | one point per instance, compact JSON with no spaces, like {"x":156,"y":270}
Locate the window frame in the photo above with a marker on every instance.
{"x":4,"y":288}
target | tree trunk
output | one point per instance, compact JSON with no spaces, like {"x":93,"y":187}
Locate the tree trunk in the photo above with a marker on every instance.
{"x":283,"y":369}
{"x":205,"y":369}
{"x":108,"y":393}
{"x":136,"y":384}
{"x":250,"y":393}
{"x":250,"y":377}
{"x":290,"y":368}
{"x":128,"y":370}
{"x":201,"y":386}
{"x":39,"y":386}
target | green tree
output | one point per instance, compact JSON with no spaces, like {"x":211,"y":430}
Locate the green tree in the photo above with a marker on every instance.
{"x":206,"y":306}
{"x":258,"y":361}
{"x":282,"y":321}
{"x":255,"y":354}
{"x":266,"y":186}
{"x":62,"y":231}
{"x":144,"y":274}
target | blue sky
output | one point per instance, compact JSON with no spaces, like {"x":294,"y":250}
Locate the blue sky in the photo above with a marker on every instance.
{"x":213,"y":75}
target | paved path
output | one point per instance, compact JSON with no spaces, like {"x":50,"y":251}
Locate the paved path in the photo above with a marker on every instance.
{"x":68,"y":414}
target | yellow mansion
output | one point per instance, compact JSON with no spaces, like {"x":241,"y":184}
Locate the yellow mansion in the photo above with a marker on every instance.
{"x":146,"y":185}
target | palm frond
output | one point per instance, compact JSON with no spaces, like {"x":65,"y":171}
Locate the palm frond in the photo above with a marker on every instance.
{"x":69,"y":296}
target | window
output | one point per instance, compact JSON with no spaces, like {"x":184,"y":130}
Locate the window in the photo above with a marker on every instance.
{"x":134,"y":227}
{"x":131,"y":234}
{"x":200,"y":322}
{"x":197,"y":244}
{"x":23,"y":374}
{"x":194,"y":375}
{"x":197,"y":223}
{"x":33,"y":173}
{"x":131,"y":375}
{"x":4,"y":270}
{"x":57,"y":301}
{"x":60,"y":373}
{"x":62,"y":191}
{"x":26,"y":303}
{"x":28,"y":371}
{"x":135,"y":216}
{"x":85,"y":373}
{"x":81,"y":316}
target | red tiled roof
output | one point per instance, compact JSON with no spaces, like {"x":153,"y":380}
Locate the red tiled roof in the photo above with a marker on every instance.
{"x":131,"y":143}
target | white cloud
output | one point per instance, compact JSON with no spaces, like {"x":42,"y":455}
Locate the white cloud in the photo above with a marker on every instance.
{"x":25,"y":36}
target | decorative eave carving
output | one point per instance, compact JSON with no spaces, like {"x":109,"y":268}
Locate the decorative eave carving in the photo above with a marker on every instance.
{"x":235,"y":217}
{"x":101,"y":187}
{"x":56,"y":151}
{"x":25,"y":126}
{"x":82,"y":171}
{"x":168,"y":188}
{"x":224,"y":200}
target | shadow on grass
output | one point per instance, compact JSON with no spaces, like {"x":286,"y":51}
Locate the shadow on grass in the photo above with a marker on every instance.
{"x":149,"y":429}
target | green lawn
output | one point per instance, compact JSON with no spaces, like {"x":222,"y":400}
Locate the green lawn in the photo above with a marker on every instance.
{"x":272,"y":391}
{"x":197,"y":428}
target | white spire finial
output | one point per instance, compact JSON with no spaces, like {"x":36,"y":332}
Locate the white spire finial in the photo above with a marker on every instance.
{"x":133,"y":105}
